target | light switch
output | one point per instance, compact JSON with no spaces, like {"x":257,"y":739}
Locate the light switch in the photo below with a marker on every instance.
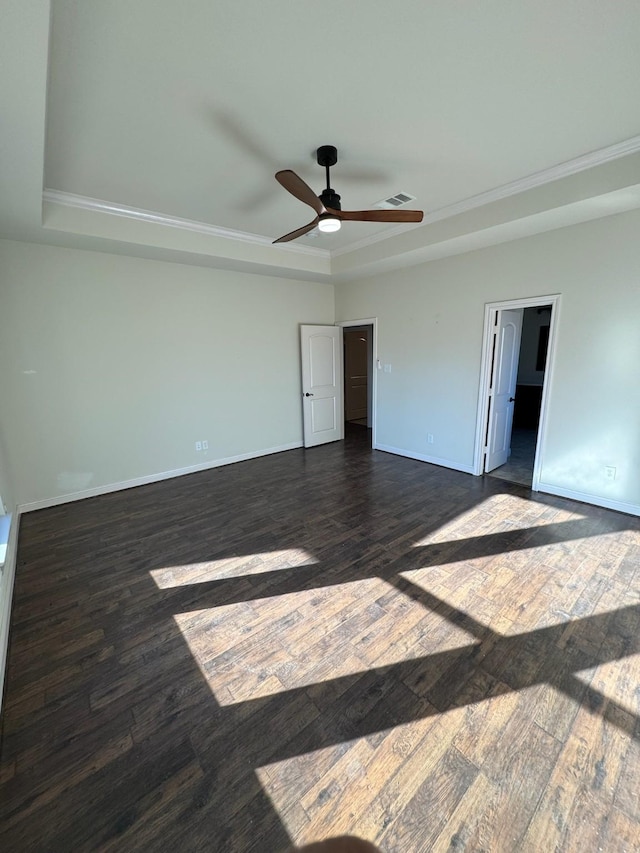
{"x":387,"y":368}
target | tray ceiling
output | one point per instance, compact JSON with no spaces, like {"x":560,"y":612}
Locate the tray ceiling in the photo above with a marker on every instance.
{"x":185,"y":111}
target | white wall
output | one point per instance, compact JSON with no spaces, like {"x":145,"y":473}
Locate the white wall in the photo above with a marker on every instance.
{"x":115,"y":366}
{"x":6,"y":486}
{"x":430,"y":330}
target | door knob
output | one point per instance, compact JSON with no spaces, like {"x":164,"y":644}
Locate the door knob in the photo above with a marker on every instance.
{"x":308,"y":394}
{"x":512,"y":399}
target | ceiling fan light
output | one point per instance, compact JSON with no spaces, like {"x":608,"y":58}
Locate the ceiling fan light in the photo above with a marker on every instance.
{"x":328,"y":224}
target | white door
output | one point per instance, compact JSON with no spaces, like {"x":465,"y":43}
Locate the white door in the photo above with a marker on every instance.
{"x":321,"y":349}
{"x":502,"y":393}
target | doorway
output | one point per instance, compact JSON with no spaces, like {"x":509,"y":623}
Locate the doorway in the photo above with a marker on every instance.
{"x":359,"y":391}
{"x":517,"y":361}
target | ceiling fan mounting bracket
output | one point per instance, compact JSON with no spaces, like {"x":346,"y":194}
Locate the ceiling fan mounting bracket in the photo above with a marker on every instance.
{"x":327,"y":155}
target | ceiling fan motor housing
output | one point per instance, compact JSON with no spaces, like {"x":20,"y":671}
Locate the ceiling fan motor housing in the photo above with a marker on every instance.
{"x":330,"y":198}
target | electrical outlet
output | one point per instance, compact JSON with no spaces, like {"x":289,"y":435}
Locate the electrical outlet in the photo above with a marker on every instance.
{"x":429,"y":438}
{"x":610,"y":472}
{"x":198,"y":445}
{"x":205,"y":445}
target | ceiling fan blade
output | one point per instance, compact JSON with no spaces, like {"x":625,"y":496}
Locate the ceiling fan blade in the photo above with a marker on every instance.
{"x":379,"y":215}
{"x":297,"y":187}
{"x":298,"y":233}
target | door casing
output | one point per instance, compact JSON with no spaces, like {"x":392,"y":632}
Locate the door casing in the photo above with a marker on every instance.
{"x":491,"y":309}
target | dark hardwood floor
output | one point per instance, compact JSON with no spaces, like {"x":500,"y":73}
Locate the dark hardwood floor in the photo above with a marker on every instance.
{"x":324,"y":641}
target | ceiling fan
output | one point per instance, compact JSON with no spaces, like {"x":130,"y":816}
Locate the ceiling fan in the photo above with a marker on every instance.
{"x":329,"y":216}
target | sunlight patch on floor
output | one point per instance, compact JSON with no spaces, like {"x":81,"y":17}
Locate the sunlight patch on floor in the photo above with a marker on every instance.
{"x":231,"y":567}
{"x":497,"y":514}
{"x":618,"y":681}
{"x":499,"y":592}
{"x":267,"y":646}
{"x":361,"y":786}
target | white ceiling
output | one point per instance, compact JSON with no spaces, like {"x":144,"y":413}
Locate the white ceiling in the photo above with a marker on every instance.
{"x":186,"y":110}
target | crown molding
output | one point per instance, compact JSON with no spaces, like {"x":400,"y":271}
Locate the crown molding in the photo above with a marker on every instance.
{"x":96,"y":205}
{"x":537,"y":179}
{"x":378,"y":238}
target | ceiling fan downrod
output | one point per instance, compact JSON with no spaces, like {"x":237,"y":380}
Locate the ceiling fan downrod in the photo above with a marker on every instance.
{"x":327,"y":156}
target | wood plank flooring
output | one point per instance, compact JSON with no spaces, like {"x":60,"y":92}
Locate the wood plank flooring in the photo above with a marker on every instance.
{"x":324,"y":641}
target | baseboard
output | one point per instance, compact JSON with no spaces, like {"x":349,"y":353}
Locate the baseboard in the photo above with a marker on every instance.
{"x":421,"y":457}
{"x":6,"y":596}
{"x":153,"y":478}
{"x":585,"y":498}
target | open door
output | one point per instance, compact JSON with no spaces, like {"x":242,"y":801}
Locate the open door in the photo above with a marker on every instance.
{"x":322,"y":400}
{"x":502,"y":390}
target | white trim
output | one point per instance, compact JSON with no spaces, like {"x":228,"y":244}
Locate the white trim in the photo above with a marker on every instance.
{"x":537,"y":179}
{"x":387,"y":234}
{"x":7,"y":578}
{"x":585,"y":497}
{"x":529,"y":182}
{"x":421,"y":457}
{"x":153,"y":478}
{"x":490,"y":311}
{"x":369,"y":321}
{"x":547,"y":384}
{"x":97,"y":205}
{"x":483,"y":392}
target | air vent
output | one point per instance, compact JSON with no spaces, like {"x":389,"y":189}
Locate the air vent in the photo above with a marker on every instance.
{"x":397,"y":200}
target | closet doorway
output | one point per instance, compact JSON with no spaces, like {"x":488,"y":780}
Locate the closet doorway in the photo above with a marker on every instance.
{"x":359,"y":377}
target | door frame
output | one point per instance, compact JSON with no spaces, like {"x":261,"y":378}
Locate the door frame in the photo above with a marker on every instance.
{"x":373,"y":379}
{"x":491,"y":310}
